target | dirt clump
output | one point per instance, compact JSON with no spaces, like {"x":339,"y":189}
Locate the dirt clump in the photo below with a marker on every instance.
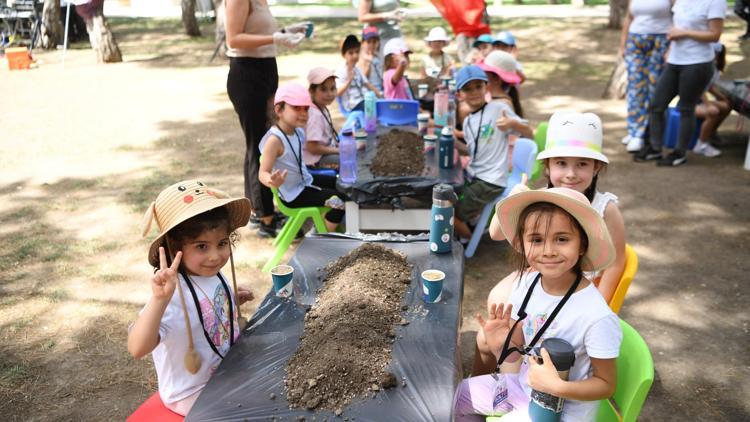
{"x":400,"y":153}
{"x":347,"y":342}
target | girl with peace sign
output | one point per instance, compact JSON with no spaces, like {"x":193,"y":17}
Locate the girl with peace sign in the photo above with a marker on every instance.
{"x":193,"y":316}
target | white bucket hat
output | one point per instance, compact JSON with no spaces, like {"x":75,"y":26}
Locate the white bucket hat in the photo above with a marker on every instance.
{"x":572,"y":134}
{"x":437,"y":34}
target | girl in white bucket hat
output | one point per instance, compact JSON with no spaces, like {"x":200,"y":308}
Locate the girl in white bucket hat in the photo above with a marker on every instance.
{"x":437,"y":63}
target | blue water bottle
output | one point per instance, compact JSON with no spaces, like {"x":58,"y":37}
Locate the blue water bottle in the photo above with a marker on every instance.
{"x":347,"y":157}
{"x":370,"y":115}
{"x":545,"y":407}
{"x":445,"y":150}
{"x":441,"y":225}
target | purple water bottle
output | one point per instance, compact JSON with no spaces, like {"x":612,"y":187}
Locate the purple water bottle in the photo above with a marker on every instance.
{"x":347,"y":157}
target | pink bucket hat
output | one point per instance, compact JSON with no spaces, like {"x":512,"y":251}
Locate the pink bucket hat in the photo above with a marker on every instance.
{"x":294,"y":94}
{"x":503,"y":65}
{"x":318,"y":75}
{"x":572,"y":134}
{"x":600,"y":253}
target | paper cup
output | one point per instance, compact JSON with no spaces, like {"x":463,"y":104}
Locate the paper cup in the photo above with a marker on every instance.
{"x":429,"y":141}
{"x":432,"y":285}
{"x":282,"y":276}
{"x":422,"y":90}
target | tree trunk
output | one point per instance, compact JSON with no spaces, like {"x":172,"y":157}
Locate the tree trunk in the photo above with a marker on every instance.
{"x":221,"y":44}
{"x":188,"y":18}
{"x":102,"y":39}
{"x":617,"y":9}
{"x":618,"y":81}
{"x":52,"y":30}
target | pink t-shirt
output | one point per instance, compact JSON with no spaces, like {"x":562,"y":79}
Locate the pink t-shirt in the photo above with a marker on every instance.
{"x":400,"y":91}
{"x":317,"y":130}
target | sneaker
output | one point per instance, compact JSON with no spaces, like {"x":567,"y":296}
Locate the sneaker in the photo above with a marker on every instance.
{"x":335,"y":202}
{"x":674,"y":159}
{"x":647,"y":153}
{"x":635,"y":145}
{"x":254,"y":221}
{"x":707,"y":150}
{"x":266,"y":230}
{"x":625,"y":139}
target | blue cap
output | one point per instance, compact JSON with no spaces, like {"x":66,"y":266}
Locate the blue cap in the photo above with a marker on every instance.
{"x":469,"y":73}
{"x":484,"y":38}
{"x":506,"y":38}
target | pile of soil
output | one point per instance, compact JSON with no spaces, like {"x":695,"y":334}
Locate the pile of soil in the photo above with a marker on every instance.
{"x":349,"y":332}
{"x":400,"y":153}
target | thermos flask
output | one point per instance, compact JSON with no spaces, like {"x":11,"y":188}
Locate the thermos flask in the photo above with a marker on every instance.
{"x":441,"y":225}
{"x":445,"y":151}
{"x":545,"y":407}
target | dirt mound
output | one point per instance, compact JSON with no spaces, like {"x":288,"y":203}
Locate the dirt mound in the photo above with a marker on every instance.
{"x":400,"y":153}
{"x":346,"y":346}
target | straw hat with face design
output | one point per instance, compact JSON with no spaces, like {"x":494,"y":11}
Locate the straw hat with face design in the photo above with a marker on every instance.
{"x":177,"y":204}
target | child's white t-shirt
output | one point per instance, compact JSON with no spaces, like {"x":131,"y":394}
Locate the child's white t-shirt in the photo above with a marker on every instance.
{"x":175,"y":382}
{"x":432,"y":66}
{"x":488,"y":145}
{"x":356,"y":90}
{"x":585,"y":321}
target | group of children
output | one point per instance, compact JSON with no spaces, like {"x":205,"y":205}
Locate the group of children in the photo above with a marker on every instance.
{"x":570,"y":236}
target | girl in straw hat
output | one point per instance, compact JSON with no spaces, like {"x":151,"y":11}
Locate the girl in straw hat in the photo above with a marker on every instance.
{"x":559,"y":236}
{"x":193,"y":316}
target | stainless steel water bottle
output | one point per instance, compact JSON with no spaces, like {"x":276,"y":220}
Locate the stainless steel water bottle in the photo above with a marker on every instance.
{"x":441,"y":226}
{"x":445,"y":151}
{"x":545,"y":407}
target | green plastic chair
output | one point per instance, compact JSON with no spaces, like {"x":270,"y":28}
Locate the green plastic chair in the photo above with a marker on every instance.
{"x":540,"y":137}
{"x":296,"y":218}
{"x":635,"y":374}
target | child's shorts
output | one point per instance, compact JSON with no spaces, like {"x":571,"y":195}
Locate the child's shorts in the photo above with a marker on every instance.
{"x":476,"y":194}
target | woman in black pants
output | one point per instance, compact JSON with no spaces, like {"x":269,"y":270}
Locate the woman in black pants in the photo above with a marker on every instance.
{"x":252,"y":38}
{"x":697,"y":23}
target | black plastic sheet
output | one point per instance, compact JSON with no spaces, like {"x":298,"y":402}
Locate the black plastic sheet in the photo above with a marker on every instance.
{"x":425,"y":353}
{"x":371,"y":189}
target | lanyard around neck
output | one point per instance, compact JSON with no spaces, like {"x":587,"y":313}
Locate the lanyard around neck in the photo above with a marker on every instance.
{"x":297,"y":158}
{"x":189,"y":283}
{"x":324,"y":112}
{"x":478,"y":132}
{"x":507,"y":350}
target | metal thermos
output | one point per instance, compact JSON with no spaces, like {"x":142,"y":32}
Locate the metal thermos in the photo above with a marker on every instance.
{"x":441,"y":225}
{"x":445,"y":151}
{"x":545,"y":407}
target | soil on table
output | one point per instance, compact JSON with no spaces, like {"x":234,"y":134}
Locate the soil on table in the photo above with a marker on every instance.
{"x":400,"y":153}
{"x":349,"y":332}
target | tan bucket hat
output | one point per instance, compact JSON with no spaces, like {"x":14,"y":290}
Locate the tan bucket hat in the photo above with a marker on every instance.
{"x":184,"y":200}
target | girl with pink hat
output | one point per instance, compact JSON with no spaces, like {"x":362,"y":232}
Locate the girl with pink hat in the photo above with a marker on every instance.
{"x":559,"y":236}
{"x":282,"y":166}
{"x":321,"y":143}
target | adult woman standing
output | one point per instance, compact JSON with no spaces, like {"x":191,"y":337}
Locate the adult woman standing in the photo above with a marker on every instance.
{"x":697,"y":23}
{"x":252,"y":37}
{"x":642,"y":45}
{"x":384,"y":15}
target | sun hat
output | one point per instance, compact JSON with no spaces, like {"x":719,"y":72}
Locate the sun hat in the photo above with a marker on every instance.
{"x":483,"y":39}
{"x":505,"y":37}
{"x":437,"y":34}
{"x":572,"y":134}
{"x":600,"y":253}
{"x":370,"y":32}
{"x":318,"y":75}
{"x":395,"y":46}
{"x":469,"y":73}
{"x":503,"y":65}
{"x":185,"y":200}
{"x":349,"y":42}
{"x":294,"y":94}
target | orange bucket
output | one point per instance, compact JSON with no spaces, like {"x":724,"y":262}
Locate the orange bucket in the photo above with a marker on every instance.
{"x":18,"y":58}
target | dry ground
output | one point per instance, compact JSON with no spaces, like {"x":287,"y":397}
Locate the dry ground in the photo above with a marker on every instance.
{"x":84,"y":148}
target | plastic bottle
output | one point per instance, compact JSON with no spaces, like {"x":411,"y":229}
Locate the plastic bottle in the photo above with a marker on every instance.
{"x":440,"y":112}
{"x":370,"y":116}
{"x":347,"y":158}
{"x":450,"y":120}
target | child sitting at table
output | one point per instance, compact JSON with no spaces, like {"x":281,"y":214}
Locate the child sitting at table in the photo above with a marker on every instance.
{"x":505,"y":41}
{"x":396,"y":62}
{"x":321,"y":143}
{"x":485,"y":132}
{"x":351,"y":84}
{"x":437,"y":63}
{"x":197,"y":229}
{"x":369,"y":57}
{"x":281,"y":166}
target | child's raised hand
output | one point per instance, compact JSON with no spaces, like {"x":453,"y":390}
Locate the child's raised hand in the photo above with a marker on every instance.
{"x":543,"y":376}
{"x":497,"y":325}
{"x":278,"y":177}
{"x":164,"y":281}
{"x":521,"y":187}
{"x":504,"y":122}
{"x":244,"y":295}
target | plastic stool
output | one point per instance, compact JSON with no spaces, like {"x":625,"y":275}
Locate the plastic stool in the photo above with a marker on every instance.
{"x":673,"y":128}
{"x":154,"y":410}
